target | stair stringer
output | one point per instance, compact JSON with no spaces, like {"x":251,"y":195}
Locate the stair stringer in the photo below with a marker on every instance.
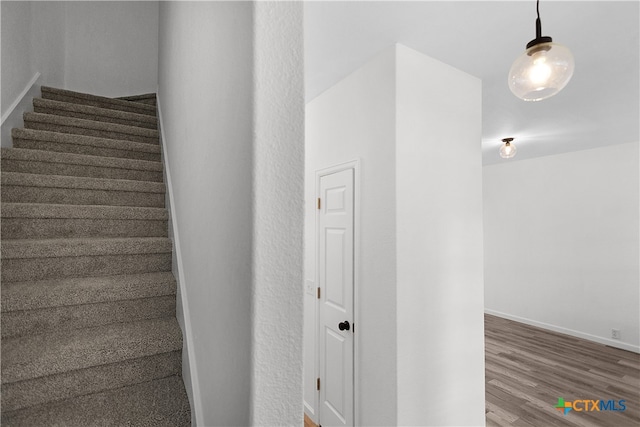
{"x":189,"y":364}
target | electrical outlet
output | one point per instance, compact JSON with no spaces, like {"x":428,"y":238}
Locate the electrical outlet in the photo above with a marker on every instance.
{"x":615,"y":334}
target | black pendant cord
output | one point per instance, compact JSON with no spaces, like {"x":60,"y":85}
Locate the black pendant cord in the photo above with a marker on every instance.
{"x":539,"y":39}
{"x":538,"y":23}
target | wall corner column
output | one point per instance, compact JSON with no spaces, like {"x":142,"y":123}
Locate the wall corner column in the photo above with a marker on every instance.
{"x":278,"y":217}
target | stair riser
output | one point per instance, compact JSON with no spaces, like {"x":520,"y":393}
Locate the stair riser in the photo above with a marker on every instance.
{"x":65,"y":318}
{"x":131,"y":107}
{"x":64,"y":169}
{"x":74,"y":196}
{"x":52,"y":127}
{"x":51,"y":228}
{"x":85,"y":149}
{"x":83,"y":266}
{"x":97,"y":118}
{"x":70,"y":384}
{"x":146,"y":101}
{"x":149,"y":99}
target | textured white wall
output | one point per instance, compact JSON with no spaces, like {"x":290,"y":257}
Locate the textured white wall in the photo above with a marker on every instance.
{"x":440,"y":326}
{"x":205,"y":92}
{"x":561,"y":242}
{"x":356,"y":119}
{"x":112,"y":47}
{"x":278,"y":184}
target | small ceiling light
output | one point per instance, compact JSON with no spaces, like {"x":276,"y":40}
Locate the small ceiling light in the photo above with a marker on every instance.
{"x":543,"y":70}
{"x":508,"y":150}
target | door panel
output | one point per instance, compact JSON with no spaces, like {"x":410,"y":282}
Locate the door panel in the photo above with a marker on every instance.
{"x":336,"y":279}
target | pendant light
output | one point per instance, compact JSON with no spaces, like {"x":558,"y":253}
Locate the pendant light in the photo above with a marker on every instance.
{"x":543,"y":70}
{"x":508,"y":150}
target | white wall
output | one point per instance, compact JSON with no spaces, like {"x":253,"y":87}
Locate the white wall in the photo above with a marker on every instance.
{"x":112,"y":47}
{"x":16,"y":40}
{"x":278,"y":186}
{"x":561,"y":243}
{"x":420,"y":325}
{"x":32,"y":43}
{"x":48,"y":30}
{"x":232,"y":102}
{"x":440,"y":335}
{"x":205,"y":93}
{"x":355,"y":119}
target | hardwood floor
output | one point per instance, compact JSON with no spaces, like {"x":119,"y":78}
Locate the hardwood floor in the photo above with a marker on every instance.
{"x":308,"y":422}
{"x":528,"y":369}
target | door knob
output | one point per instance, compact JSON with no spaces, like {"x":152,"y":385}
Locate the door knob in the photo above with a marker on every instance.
{"x":344,"y":326}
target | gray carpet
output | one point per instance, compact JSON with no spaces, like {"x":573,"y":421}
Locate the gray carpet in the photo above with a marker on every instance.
{"x":89,"y":334}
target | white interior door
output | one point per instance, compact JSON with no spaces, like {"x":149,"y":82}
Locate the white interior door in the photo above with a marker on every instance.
{"x":336,"y":279}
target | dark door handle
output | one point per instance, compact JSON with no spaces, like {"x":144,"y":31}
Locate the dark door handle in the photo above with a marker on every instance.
{"x":344,"y":326}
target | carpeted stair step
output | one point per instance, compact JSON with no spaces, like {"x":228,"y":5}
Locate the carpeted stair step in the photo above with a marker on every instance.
{"x":146,"y":98}
{"x":48,"y":163}
{"x":34,"y":295}
{"x":62,"y":304}
{"x":88,"y":112}
{"x":81,"y":144}
{"x":96,"y":101}
{"x":33,"y":356}
{"x":32,"y":188}
{"x":70,"y":317}
{"x":75,"y":126}
{"x":157,"y":403}
{"x":47,"y":221}
{"x":24,"y":260}
{"x":51,"y":388}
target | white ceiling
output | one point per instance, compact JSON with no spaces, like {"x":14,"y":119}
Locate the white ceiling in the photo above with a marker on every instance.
{"x":599,"y":106}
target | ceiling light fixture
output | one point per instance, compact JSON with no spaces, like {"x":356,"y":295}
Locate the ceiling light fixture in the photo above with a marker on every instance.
{"x":543,"y":70}
{"x":508,"y":150}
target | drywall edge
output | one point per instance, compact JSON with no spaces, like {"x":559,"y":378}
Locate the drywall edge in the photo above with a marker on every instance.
{"x":191,"y":373}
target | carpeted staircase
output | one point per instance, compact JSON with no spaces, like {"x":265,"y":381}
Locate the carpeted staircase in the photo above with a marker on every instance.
{"x":89,"y":334}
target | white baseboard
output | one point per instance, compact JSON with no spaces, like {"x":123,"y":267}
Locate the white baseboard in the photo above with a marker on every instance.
{"x":191,"y":373}
{"x":566,"y":331}
{"x":12,"y":118}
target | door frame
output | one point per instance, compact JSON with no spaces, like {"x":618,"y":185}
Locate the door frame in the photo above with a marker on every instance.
{"x":355,"y":165}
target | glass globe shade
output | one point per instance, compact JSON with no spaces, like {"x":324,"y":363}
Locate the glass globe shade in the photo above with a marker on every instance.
{"x":541,"y":71}
{"x":508,"y":150}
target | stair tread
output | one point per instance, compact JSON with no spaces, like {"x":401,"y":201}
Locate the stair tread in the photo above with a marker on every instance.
{"x":110,"y":102}
{"x":38,"y":294}
{"x":89,"y":124}
{"x":79,"y":316}
{"x":69,"y":138}
{"x":57,"y":387}
{"x":60,"y":181}
{"x":33,"y":356}
{"x":46,"y":211}
{"x":24,"y":154}
{"x":158,"y":403}
{"x":94,"y":111}
{"x":86,"y":246}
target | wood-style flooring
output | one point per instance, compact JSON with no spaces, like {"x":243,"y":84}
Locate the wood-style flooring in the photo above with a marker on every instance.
{"x":528,"y":369}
